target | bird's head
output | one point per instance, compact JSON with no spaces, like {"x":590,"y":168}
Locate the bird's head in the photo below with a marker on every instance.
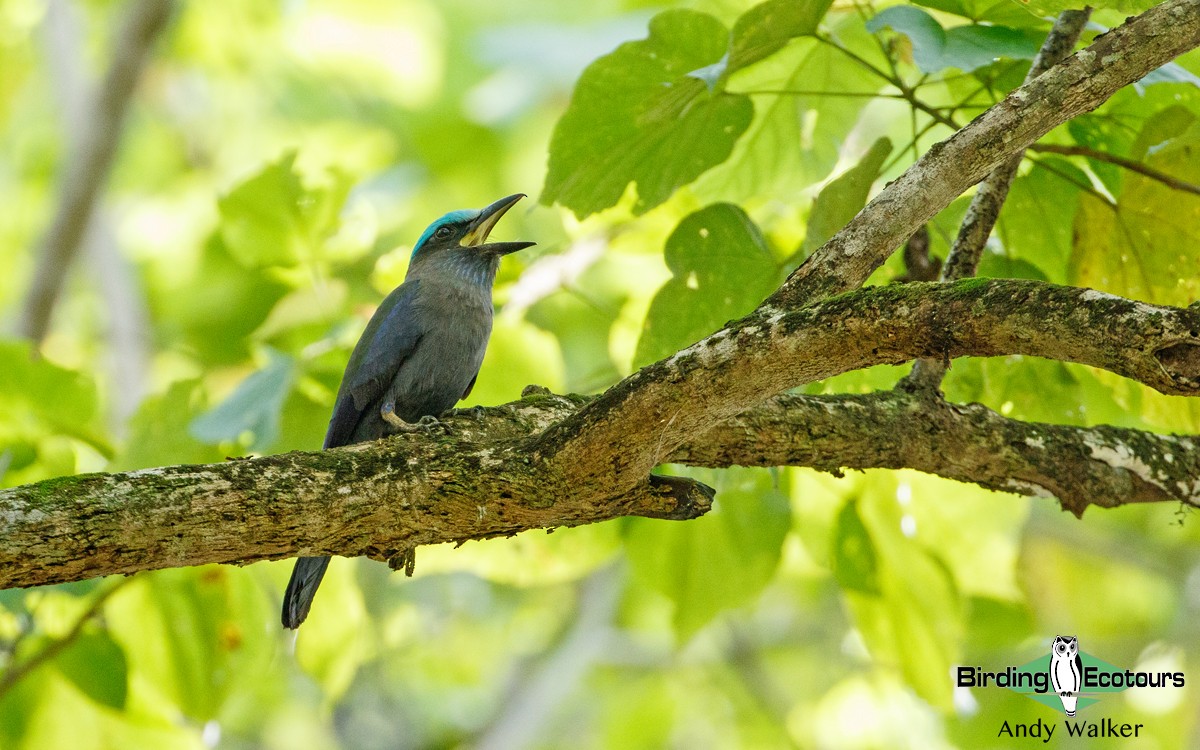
{"x":461,"y":236}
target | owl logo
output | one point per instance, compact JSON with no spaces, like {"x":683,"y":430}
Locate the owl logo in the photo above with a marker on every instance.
{"x":1066,"y":671}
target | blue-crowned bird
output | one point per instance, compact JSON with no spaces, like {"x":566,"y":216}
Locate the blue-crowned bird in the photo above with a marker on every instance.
{"x":420,"y":352}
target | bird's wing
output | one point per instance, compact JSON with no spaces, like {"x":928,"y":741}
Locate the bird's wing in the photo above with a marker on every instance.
{"x":389,"y":339}
{"x":470,"y":386}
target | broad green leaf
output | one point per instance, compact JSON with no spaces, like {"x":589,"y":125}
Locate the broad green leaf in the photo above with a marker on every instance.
{"x":763,"y":30}
{"x":1147,"y":245}
{"x":260,"y":216}
{"x":917,"y":621}
{"x":1135,"y":121}
{"x":1004,"y":12}
{"x":976,"y":46}
{"x":1000,"y":266}
{"x":306,"y":312}
{"x":1044,"y":8}
{"x":273,"y":219}
{"x":193,"y":637}
{"x":926,"y":34}
{"x":1032,"y":389}
{"x":1172,"y":72}
{"x":637,"y":117}
{"x":253,"y":407}
{"x":95,"y":664}
{"x":41,"y":403}
{"x":335,"y":639}
{"x":214,"y":312}
{"x":974,"y":533}
{"x":1034,"y":228}
{"x":797,"y":134}
{"x":1138,"y":599}
{"x":717,"y":562}
{"x":855,"y":562}
{"x":844,"y":197}
{"x":964,"y":47}
{"x":721,"y":269}
{"x":158,"y":432}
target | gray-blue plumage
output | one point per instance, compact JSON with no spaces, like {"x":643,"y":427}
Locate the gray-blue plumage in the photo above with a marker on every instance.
{"x":420,"y":352}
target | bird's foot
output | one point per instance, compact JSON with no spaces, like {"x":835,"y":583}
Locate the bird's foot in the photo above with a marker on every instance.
{"x":388,"y":412}
{"x":474,"y":412}
{"x":427,"y":423}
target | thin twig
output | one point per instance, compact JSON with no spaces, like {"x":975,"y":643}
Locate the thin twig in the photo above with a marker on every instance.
{"x":1085,"y":187}
{"x":18,"y":672}
{"x":1120,"y":161}
{"x":90,"y":163}
{"x":984,"y":210}
{"x":805,"y":92}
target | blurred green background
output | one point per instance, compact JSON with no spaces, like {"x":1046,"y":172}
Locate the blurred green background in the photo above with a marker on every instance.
{"x":277,"y":160}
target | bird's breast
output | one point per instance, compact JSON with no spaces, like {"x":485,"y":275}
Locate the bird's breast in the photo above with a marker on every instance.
{"x":455,"y":327}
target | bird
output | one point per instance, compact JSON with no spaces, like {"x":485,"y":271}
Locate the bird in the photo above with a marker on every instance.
{"x":1066,"y":671}
{"x":420,"y":352}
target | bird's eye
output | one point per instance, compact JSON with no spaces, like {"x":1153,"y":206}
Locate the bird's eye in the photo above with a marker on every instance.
{"x":443,"y":232}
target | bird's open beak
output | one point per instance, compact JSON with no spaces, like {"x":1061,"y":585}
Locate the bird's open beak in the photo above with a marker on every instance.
{"x":477,"y":234}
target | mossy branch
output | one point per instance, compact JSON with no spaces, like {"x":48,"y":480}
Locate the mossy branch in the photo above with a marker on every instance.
{"x":528,"y":464}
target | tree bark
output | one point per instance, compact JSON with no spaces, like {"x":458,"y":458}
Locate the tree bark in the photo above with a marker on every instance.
{"x":550,"y":461}
{"x":502,"y":473}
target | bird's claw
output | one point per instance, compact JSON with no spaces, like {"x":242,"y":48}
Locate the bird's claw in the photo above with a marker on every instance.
{"x":474,"y":412}
{"x":388,"y":412}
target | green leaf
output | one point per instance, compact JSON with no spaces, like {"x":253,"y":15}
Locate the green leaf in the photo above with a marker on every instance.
{"x":1147,"y":246}
{"x":1035,"y":227}
{"x":637,"y":117}
{"x":336,"y":638}
{"x":260,"y":215}
{"x":717,"y":562}
{"x":976,"y":46}
{"x":273,"y":219}
{"x":797,"y":134}
{"x":855,"y":563}
{"x":764,"y":29}
{"x":158,"y":432}
{"x":40,"y":401}
{"x":215,"y":311}
{"x":1004,"y":12}
{"x":964,"y":47}
{"x":1172,"y":72}
{"x":844,"y":197}
{"x":253,"y":407}
{"x":1045,"y":8}
{"x":1033,"y":389}
{"x":916,"y":623}
{"x":95,"y":664}
{"x":195,"y":636}
{"x":721,"y":269}
{"x":927,"y":35}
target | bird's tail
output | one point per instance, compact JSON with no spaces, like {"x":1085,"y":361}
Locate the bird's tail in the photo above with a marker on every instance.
{"x":301,"y":589}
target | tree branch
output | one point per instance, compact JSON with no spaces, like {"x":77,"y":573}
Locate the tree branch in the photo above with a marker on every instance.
{"x":1132,"y":165}
{"x":505,"y":473}
{"x":750,"y":360}
{"x":989,"y":197}
{"x":89,"y":163}
{"x":913,"y":429}
{"x":671,"y":390}
{"x":1079,"y":84}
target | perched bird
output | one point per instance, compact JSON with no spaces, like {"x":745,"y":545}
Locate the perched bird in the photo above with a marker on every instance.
{"x":420,"y":352}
